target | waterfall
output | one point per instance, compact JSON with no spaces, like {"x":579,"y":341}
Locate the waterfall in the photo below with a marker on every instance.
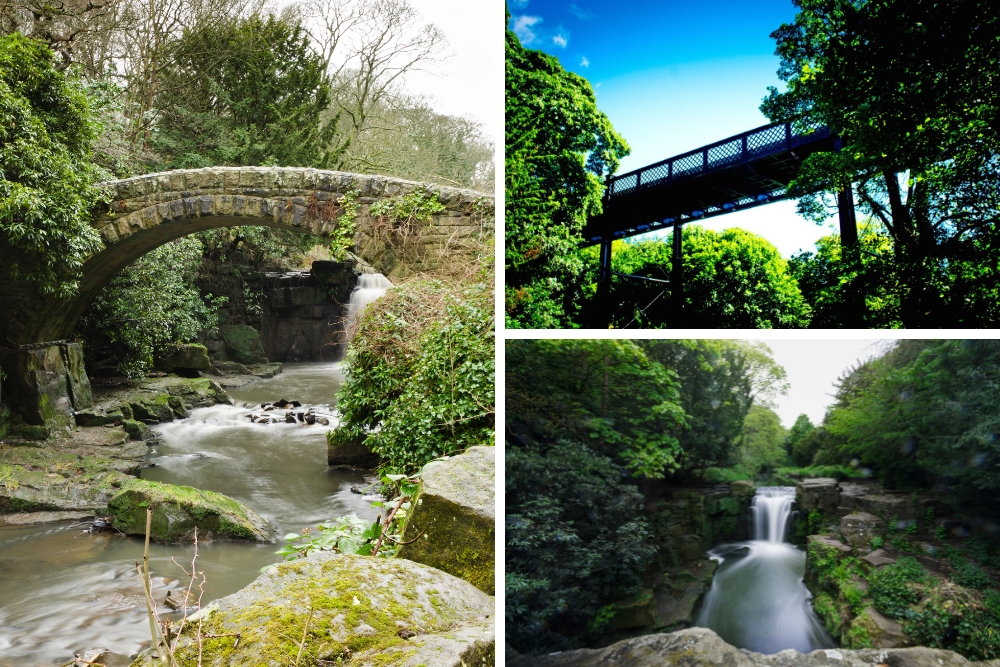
{"x":757,"y":600}
{"x":771,"y":508}
{"x":370,"y":287}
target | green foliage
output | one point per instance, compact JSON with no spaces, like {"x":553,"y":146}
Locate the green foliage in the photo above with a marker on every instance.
{"x":47,"y":182}
{"x":800,"y":429}
{"x":558,"y":148}
{"x":576,"y":539}
{"x":815,"y":522}
{"x":901,"y":84}
{"x":342,"y":237}
{"x":720,"y":380}
{"x":420,"y":374}
{"x":149,"y":307}
{"x":244,"y":92}
{"x":762,"y":439}
{"x":732,"y":279}
{"x":606,"y":393}
{"x":926,"y":410}
{"x":877,"y":542}
{"x":890,"y":589}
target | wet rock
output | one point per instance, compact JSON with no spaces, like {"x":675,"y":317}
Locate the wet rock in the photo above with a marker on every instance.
{"x":323,"y":420}
{"x":231,"y":367}
{"x":186,"y":360}
{"x":859,"y":528}
{"x":290,"y":418}
{"x":363,"y":603}
{"x":454,"y":517}
{"x":700,"y":647}
{"x":177,"y":510}
{"x":94,"y":417}
{"x":37,"y":518}
{"x":137,"y":430}
{"x":101,"y":656}
{"x":346,"y":451}
{"x":310,"y":418}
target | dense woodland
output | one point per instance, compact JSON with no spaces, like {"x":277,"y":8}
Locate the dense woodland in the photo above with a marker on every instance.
{"x":93,"y":91}
{"x":909,"y":87}
{"x":590,"y":423}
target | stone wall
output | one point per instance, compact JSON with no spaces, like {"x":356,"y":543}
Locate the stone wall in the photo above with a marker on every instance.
{"x":45,"y":384}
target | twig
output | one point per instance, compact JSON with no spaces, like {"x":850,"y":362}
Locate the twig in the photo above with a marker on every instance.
{"x":305,"y":631}
{"x":422,"y":531}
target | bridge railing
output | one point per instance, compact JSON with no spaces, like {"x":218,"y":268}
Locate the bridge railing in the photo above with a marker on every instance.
{"x":742,"y":148}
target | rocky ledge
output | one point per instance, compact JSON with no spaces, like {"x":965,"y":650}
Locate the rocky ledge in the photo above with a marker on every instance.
{"x":338,"y":609}
{"x":700,"y":647}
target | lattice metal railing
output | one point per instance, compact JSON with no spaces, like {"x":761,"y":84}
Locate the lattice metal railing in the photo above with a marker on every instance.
{"x":740,"y":149}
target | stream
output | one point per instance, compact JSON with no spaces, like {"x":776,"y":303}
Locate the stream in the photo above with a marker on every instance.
{"x":62,"y":590}
{"x":757,"y":600}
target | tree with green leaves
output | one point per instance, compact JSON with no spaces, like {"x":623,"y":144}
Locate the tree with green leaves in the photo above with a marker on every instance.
{"x":802,"y":427}
{"x":762,"y":440}
{"x":720,"y":381}
{"x":732,"y":279}
{"x":910,"y":87}
{"x":47,"y":181}
{"x":559,"y":148}
{"x":244,"y":92}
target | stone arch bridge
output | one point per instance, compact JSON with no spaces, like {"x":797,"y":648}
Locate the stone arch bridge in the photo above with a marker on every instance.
{"x":147,"y":211}
{"x":46,"y":377}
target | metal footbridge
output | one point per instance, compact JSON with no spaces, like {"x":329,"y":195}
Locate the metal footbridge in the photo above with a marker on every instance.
{"x":744,"y":171}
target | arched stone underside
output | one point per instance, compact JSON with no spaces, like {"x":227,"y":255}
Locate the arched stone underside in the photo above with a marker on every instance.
{"x":147,"y":211}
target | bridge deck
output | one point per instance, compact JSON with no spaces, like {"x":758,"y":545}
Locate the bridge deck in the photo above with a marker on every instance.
{"x":743,"y":171}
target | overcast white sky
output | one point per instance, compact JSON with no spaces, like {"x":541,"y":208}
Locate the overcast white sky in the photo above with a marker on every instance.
{"x":813,"y":367}
{"x":471,"y":82}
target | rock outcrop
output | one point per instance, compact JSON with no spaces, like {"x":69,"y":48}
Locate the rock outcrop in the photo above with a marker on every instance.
{"x":700,"y":647}
{"x":46,"y":383}
{"x":859,"y":528}
{"x":186,"y":360}
{"x":178,"y":510}
{"x":345,"y":451}
{"x":355,"y":610}
{"x":452,"y":525}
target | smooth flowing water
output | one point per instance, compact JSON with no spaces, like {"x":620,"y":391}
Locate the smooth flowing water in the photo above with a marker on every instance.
{"x":62,"y":590}
{"x":757,"y":600}
{"x":370,"y":287}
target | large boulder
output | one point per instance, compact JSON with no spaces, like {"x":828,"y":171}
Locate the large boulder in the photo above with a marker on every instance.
{"x":178,"y":510}
{"x":46,"y":383}
{"x":355,"y":610}
{"x":859,"y":528}
{"x":818,"y":493}
{"x":243,"y":344}
{"x":186,"y":360}
{"x":881,"y":631}
{"x":454,"y":517}
{"x":700,"y":647}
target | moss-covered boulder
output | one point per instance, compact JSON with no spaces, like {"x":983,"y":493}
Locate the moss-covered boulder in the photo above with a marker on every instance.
{"x":352,"y":610}
{"x":454,"y":517}
{"x":178,"y":510}
{"x":243,"y":344}
{"x":345,"y":450}
{"x":186,"y":360}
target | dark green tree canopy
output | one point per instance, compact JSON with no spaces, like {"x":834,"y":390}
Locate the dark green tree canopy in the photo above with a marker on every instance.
{"x":244,"y":92}
{"x":47,"y":182}
{"x":559,"y":147}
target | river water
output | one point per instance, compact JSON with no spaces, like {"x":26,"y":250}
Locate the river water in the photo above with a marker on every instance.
{"x":63,"y":590}
{"x":757,"y":600}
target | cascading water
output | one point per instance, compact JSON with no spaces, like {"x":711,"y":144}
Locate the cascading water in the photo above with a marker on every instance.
{"x":757,"y":600}
{"x":370,"y":287}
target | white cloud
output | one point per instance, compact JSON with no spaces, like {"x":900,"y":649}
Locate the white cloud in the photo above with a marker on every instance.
{"x":518,"y":4}
{"x":522,"y":27}
{"x":584,"y":62}
{"x":579,"y":13}
{"x":560,"y":40}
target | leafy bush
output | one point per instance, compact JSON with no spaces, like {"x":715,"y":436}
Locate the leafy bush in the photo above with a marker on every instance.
{"x":889,"y":586}
{"x":420,"y":374}
{"x":576,"y":540}
{"x":150,"y":306}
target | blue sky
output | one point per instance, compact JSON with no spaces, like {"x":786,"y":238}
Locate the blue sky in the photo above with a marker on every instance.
{"x":673,"y":76}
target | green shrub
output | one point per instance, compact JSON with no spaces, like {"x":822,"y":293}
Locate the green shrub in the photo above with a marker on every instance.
{"x":420,"y":373}
{"x":889,"y":586}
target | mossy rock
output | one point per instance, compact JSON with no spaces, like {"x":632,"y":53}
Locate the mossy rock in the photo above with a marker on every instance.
{"x":359,"y":611}
{"x":243,"y":344}
{"x":454,"y":516}
{"x":178,"y":510}
{"x":185,"y":360}
{"x":137,"y":430}
{"x":346,"y":450}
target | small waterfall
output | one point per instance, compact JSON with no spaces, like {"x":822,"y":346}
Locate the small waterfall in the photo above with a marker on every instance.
{"x":370,"y":287}
{"x":771,"y":508}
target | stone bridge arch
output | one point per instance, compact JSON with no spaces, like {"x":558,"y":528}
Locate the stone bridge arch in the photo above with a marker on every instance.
{"x":147,"y":211}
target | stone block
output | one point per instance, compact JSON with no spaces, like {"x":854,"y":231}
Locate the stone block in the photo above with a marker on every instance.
{"x":243,"y":344}
{"x":820,"y":493}
{"x":878,"y":558}
{"x":185,"y":360}
{"x":455,"y":512}
{"x":859,"y":528}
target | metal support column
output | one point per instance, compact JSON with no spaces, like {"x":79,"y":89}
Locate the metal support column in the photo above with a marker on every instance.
{"x":604,"y":285}
{"x":676,"y":269}
{"x":850,"y":252}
